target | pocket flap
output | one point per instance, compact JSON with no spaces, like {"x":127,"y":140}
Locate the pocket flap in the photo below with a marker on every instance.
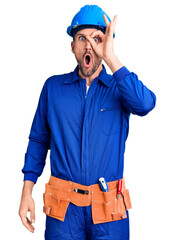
{"x":127,"y":199}
{"x":46,"y":210}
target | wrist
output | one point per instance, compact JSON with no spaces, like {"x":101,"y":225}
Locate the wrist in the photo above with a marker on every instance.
{"x":113,"y":63}
{"x":28,"y":187}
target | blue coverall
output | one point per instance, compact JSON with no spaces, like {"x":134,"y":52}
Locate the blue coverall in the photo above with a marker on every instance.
{"x":86,"y":136}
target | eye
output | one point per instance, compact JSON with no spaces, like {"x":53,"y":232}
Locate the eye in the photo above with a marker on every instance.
{"x":82,"y":38}
{"x":96,"y":39}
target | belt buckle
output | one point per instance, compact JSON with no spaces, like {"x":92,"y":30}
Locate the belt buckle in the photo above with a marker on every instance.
{"x":81,"y":191}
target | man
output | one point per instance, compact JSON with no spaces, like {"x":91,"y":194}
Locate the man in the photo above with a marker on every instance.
{"x":86,"y":133}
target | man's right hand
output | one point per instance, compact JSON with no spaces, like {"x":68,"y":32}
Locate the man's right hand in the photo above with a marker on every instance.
{"x":27,"y":205}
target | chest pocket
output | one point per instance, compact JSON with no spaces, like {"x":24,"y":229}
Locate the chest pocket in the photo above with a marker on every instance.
{"x":110,"y":123}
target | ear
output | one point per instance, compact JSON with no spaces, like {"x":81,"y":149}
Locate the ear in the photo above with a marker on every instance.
{"x":72,"y":46}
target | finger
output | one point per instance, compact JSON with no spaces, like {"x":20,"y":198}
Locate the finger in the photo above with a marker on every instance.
{"x":93,"y":44}
{"x":27,"y":223}
{"x":106,"y":20}
{"x":115,"y":21}
{"x":97,"y":33}
{"x":31,"y":227}
{"x":30,"y":224}
{"x":111,"y":27}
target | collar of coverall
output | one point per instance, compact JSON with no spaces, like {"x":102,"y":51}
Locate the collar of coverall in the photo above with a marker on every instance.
{"x":103,"y":77}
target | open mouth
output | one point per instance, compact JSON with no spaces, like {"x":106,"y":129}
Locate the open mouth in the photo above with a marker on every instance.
{"x":87,"y":60}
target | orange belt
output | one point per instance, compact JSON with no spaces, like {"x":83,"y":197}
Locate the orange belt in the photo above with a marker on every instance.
{"x":105,"y":206}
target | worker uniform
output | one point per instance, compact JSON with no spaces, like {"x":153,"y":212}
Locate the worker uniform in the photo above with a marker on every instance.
{"x":86,"y":133}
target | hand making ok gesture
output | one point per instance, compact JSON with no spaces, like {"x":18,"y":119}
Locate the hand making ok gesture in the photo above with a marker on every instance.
{"x":103,"y":47}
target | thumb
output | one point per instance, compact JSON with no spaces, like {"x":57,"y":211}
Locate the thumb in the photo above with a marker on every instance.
{"x":32,"y":215}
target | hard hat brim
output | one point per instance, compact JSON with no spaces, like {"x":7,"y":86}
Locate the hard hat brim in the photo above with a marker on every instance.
{"x":72,"y":30}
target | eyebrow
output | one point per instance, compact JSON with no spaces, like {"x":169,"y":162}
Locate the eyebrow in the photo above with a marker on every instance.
{"x":80,"y":34}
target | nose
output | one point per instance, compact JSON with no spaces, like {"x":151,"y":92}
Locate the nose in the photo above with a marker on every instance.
{"x":88,"y":45}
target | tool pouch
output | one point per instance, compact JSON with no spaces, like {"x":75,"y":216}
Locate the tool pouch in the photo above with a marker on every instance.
{"x":106,"y":207}
{"x":56,"y":202}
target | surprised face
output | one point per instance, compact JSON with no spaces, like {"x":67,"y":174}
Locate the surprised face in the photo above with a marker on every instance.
{"x":87,"y":60}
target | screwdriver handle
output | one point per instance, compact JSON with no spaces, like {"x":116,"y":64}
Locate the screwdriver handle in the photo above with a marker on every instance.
{"x":119,"y":188}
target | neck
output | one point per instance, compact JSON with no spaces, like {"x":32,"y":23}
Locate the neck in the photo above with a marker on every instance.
{"x":93,"y":76}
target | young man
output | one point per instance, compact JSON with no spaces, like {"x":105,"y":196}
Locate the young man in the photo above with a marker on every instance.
{"x":85,"y":131}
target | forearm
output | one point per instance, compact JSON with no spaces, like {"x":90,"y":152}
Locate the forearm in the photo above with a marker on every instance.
{"x":113,"y":63}
{"x":28,"y":187}
{"x":39,"y":141}
{"x":35,"y":157}
{"x":137,"y":98}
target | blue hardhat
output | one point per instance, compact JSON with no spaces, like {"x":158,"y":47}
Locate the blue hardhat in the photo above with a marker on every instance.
{"x":89,"y":16}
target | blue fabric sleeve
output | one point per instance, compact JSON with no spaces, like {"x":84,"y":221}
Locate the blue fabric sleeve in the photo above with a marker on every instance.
{"x":39,"y":141}
{"x":136,"y":97}
{"x":31,"y":177}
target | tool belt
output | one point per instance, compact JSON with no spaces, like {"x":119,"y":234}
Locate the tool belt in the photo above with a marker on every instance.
{"x":105,"y":206}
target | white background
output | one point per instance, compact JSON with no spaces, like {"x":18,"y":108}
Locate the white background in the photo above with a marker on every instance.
{"x":34,"y":45}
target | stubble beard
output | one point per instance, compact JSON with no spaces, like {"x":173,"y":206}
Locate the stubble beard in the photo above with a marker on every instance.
{"x":89,"y":72}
